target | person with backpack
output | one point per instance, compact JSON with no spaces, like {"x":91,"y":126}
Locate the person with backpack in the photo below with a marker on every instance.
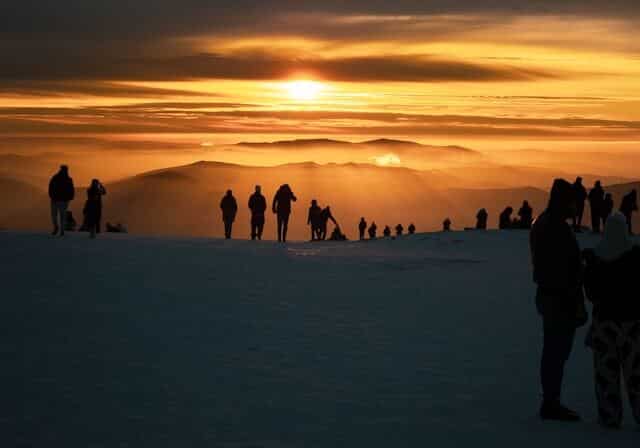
{"x":281,"y":206}
{"x":61,"y":192}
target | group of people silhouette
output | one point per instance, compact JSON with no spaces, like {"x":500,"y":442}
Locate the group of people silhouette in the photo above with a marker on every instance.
{"x":602,"y":205}
{"x":565,"y":277}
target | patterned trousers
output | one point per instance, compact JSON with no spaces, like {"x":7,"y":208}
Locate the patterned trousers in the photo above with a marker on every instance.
{"x":616,"y":354}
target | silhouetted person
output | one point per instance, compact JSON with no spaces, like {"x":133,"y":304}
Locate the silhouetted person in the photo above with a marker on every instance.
{"x":281,"y":206}
{"x":117,"y":228}
{"x":325,"y":217}
{"x":505,"y":221}
{"x":481,"y":219}
{"x":257,"y":205}
{"x":387,"y":231}
{"x":337,"y":235}
{"x":399,"y":230}
{"x":607,"y":208}
{"x":61,"y":191}
{"x":229,"y":208}
{"x":629,"y":205}
{"x":526,"y":215}
{"x":93,"y":207}
{"x":411,"y":229}
{"x":446,"y":225}
{"x":581,"y":195}
{"x":557,"y":272}
{"x":610,"y":283}
{"x":373,"y":229}
{"x":362,"y":227}
{"x":596,"y":203}
{"x":314,"y":220}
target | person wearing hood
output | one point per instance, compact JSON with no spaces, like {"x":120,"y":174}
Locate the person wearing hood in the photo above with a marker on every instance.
{"x":526,"y":215}
{"x":229,"y":207}
{"x":281,"y":206}
{"x":610,"y":279}
{"x":61,"y":192}
{"x":257,"y":205}
{"x":557,"y":272}
{"x":505,"y":221}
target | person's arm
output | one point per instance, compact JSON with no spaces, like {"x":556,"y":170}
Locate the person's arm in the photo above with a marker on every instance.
{"x":274,"y":203}
{"x":222,"y":204}
{"x":249,"y":203}
{"x":333,"y":219}
{"x":234,"y":206}
{"x":72,"y":190}
{"x":293,"y":197}
{"x":51,"y":189}
{"x":103,"y":190}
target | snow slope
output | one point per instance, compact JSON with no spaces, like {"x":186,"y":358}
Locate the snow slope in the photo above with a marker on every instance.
{"x":431,"y":340}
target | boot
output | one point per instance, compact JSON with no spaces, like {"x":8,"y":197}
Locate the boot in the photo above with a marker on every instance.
{"x":553,"y":410}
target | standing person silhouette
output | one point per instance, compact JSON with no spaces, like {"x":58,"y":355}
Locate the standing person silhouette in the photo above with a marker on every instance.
{"x":362,"y":227}
{"x":607,"y":208}
{"x":257,"y":205}
{"x":581,"y":195}
{"x":314,"y":220}
{"x":481,"y":219}
{"x":596,"y":203}
{"x":93,"y":207}
{"x":281,"y":206}
{"x":629,"y":205}
{"x":526,"y":215}
{"x":557,"y":271}
{"x":325,"y":216}
{"x":61,"y":192}
{"x":229,"y":208}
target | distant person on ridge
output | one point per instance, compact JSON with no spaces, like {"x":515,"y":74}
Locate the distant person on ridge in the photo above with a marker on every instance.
{"x":596,"y":203}
{"x":324,"y":222}
{"x":387,"y":231}
{"x":93,"y":207}
{"x":399,"y":230}
{"x":446,"y":225}
{"x":362,"y":227}
{"x":629,"y":205}
{"x":314,"y":220}
{"x":607,"y":208}
{"x":610,"y":278}
{"x":257,"y":205}
{"x":481,"y":219}
{"x":581,"y":196}
{"x":526,"y":216}
{"x":229,"y":208}
{"x":557,"y":271}
{"x":61,"y":192}
{"x":281,"y":206}
{"x":505,"y":221}
{"x":411,"y":229}
{"x":373,"y":228}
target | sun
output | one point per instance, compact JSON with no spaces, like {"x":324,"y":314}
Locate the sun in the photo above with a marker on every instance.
{"x":303,"y":90}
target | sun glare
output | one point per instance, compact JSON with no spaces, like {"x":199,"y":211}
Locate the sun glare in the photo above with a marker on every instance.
{"x":303,"y":90}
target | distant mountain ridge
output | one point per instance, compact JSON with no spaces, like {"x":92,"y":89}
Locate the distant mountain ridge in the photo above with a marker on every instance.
{"x":380,"y":142}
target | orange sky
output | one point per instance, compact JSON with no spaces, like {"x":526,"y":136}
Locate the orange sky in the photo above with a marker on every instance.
{"x":495,"y":78}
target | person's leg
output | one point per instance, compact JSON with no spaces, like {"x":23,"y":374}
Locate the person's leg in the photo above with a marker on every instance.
{"x":62,"y":209}
{"x":98,"y":219}
{"x":260,"y":227}
{"x":54,"y":217}
{"x":557,"y":345}
{"x":254,"y":228}
{"x":630,"y":353}
{"x":595,"y":221}
{"x":606,"y":366}
{"x":280,"y":221}
{"x":285,"y":227}
{"x":580,"y":214}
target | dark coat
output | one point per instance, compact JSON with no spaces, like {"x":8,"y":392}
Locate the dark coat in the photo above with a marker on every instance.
{"x":282,"y":201}
{"x":596,"y":200}
{"x":612,"y":286}
{"x":326,"y":216}
{"x":315,"y":216}
{"x":629,"y":204}
{"x":557,"y":266}
{"x":229,"y":208}
{"x":362,"y":226}
{"x":505,"y":219}
{"x":526,"y":216}
{"x":257,"y":204}
{"x":580,"y":192}
{"x":61,"y":188}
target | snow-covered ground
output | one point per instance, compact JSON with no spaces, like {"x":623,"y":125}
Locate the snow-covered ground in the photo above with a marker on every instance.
{"x":431,"y":340}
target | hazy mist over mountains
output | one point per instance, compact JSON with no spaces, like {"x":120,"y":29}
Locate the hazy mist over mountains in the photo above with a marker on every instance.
{"x":387,"y":181}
